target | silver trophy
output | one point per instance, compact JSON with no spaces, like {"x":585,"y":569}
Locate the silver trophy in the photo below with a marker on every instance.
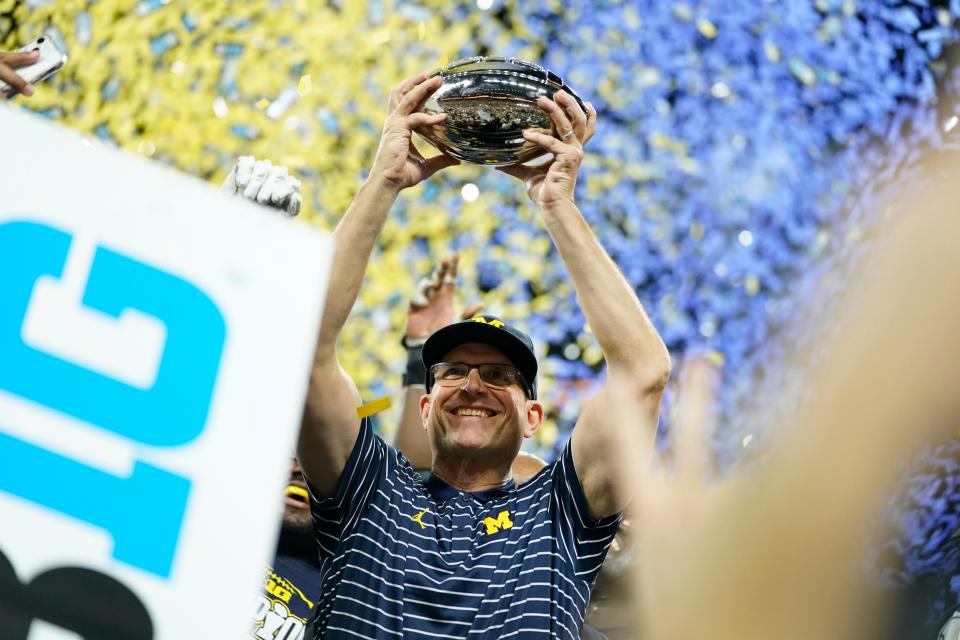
{"x":489,"y":101}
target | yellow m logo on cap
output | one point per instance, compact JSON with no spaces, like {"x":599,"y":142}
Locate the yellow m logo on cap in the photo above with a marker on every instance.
{"x":502,"y":522}
{"x":493,"y":322}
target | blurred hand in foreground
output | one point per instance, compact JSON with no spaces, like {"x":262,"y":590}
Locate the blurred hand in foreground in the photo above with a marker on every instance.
{"x":777,"y":551}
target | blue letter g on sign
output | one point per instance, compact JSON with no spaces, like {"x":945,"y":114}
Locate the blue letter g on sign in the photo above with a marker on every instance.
{"x":144,"y":512}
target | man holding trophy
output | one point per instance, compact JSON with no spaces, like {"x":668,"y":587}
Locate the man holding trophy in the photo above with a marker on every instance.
{"x":468,"y":553}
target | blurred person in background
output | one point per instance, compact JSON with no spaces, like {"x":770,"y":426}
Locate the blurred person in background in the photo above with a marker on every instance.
{"x":284,"y":609}
{"x":469,"y":552}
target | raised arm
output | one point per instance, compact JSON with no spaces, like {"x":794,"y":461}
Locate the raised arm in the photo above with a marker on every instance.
{"x":330,"y":421}
{"x":431,"y":308}
{"x":635,"y":354}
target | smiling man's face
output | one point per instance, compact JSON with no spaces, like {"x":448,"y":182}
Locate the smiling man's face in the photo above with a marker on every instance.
{"x":473,"y":419}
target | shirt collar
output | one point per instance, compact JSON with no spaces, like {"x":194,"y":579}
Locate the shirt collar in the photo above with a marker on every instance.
{"x":441,"y":491}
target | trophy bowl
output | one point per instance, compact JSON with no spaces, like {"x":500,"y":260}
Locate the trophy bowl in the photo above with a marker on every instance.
{"x":489,"y":101}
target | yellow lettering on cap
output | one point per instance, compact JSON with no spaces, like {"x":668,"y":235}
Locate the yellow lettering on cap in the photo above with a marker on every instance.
{"x":493,"y":323}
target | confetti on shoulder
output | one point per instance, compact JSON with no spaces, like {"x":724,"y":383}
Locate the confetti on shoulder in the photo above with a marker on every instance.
{"x":378,"y":405}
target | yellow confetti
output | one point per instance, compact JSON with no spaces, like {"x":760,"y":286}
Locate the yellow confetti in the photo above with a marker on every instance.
{"x":367,"y":410}
{"x":696,"y":231}
{"x":305,"y":85}
{"x":772,"y":51}
{"x":706,"y":28}
{"x":715,"y":357}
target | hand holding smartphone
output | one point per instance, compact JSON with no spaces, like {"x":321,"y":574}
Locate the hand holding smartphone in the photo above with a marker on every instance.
{"x":20,"y":69}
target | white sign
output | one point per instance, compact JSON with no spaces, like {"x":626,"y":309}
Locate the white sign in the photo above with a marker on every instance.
{"x":155,"y":345}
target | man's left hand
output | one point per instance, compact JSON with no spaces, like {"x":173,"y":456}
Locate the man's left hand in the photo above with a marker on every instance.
{"x":556,"y":180}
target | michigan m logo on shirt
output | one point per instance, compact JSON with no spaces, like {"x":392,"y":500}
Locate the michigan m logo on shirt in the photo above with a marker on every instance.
{"x":502,"y":521}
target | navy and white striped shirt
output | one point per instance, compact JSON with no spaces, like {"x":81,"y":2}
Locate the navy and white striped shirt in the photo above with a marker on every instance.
{"x":403,"y":558}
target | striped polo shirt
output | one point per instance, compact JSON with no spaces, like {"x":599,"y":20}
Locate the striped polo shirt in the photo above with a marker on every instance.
{"x":404,"y":558}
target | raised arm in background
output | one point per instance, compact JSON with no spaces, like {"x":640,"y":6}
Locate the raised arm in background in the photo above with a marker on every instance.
{"x":431,"y":307}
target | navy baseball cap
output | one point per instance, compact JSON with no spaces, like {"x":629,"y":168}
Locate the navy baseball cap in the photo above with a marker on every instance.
{"x":491,"y":330}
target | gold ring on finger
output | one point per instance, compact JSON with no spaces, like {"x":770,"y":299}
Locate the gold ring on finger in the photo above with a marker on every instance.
{"x":568,"y":134}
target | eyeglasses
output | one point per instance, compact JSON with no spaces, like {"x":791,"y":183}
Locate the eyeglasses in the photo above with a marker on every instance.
{"x":494,"y":375}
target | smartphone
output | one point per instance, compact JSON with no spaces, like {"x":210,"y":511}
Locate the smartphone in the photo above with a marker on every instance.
{"x":50,"y":61}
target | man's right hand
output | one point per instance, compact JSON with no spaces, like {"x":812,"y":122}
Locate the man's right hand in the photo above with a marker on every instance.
{"x":398,"y":163}
{"x":10,"y":60}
